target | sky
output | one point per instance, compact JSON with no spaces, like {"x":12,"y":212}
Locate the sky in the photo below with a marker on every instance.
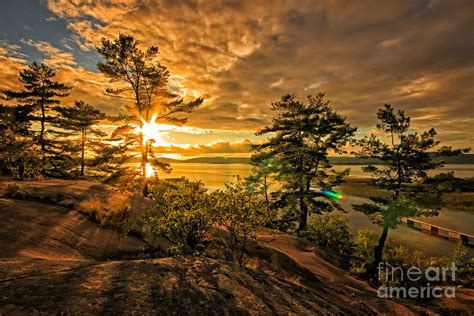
{"x":242,"y":55}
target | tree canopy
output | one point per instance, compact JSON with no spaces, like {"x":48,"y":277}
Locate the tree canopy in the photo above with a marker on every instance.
{"x":301,"y":137}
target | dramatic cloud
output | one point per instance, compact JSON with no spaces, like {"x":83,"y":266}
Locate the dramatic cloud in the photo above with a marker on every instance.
{"x":55,"y":57}
{"x":242,"y":55}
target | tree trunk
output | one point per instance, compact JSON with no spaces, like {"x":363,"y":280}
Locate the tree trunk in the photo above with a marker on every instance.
{"x":265,"y":189}
{"x":41,"y":139}
{"x":378,"y":252}
{"x":83,"y":149}
{"x":144,"y":163}
{"x":303,"y":215}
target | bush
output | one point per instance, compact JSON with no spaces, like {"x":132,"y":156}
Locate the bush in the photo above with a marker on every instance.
{"x":15,"y":191}
{"x":181,"y":212}
{"x":464,"y":263}
{"x":240,"y":212}
{"x":400,"y":256}
{"x":363,"y":254}
{"x":331,"y":232}
{"x":284,"y":220}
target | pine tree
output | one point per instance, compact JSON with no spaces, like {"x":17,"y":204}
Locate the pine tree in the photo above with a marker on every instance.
{"x":302,"y":136}
{"x":17,"y":149}
{"x":265,"y":172}
{"x":77,"y":126}
{"x":405,"y":161}
{"x":144,"y":80}
{"x":40,"y":92}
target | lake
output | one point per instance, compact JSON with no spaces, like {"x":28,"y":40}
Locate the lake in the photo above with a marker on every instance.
{"x":214,"y":176}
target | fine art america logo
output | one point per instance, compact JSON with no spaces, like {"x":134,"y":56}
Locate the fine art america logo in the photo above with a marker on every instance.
{"x":389,"y":274}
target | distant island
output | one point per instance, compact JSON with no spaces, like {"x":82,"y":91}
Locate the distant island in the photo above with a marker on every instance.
{"x":462,"y":159}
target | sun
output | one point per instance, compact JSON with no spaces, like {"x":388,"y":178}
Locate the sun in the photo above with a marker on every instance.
{"x":149,"y":171}
{"x":150,"y":129}
{"x":153,"y":131}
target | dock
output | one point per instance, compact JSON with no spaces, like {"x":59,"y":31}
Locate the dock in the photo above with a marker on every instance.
{"x":438,"y":231}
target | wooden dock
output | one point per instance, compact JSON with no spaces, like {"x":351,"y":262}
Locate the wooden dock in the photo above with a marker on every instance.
{"x":438,"y":231}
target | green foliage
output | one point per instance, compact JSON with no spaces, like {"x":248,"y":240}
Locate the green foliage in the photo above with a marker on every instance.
{"x":265,"y":172}
{"x":302,"y":136}
{"x":284,"y":220}
{"x":363,"y":255}
{"x":448,"y":183}
{"x":331,"y":232}
{"x":464,"y":263}
{"x":240,"y":211}
{"x":181,"y":212}
{"x":400,"y":256}
{"x":15,"y":191}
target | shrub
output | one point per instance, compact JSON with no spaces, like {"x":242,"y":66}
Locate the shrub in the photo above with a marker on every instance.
{"x":181,"y":212}
{"x":15,"y":191}
{"x":240,"y":212}
{"x":400,"y":256}
{"x":464,"y":263}
{"x":331,"y":232}
{"x":363,"y":254}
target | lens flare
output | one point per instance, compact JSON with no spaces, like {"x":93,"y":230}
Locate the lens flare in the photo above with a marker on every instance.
{"x":333,"y":195}
{"x":150,"y":129}
{"x":149,"y":171}
{"x":155,"y":131}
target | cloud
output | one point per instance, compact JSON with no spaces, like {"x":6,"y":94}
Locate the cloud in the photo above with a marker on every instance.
{"x":55,"y":57}
{"x":216,"y":147}
{"x":86,"y":85}
{"x":277,"y":83}
{"x":242,"y":55}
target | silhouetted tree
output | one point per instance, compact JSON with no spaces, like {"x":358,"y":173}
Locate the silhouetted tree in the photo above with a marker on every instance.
{"x":40,"y":92}
{"x":405,"y":160}
{"x":302,"y":136}
{"x":77,"y":125}
{"x":17,"y":149}
{"x":144,"y":80}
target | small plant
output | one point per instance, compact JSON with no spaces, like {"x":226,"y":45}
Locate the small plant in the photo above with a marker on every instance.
{"x":15,"y":191}
{"x":93,"y":207}
{"x":240,"y":211}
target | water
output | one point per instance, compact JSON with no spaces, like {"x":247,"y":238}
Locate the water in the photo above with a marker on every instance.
{"x":214,"y":176}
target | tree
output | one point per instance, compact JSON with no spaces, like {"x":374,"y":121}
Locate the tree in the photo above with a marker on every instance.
{"x":40,"y":92}
{"x":144,"y":80}
{"x":17,"y":149}
{"x":79,"y":123}
{"x":264,"y":172}
{"x":302,"y":137}
{"x":405,"y":160}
